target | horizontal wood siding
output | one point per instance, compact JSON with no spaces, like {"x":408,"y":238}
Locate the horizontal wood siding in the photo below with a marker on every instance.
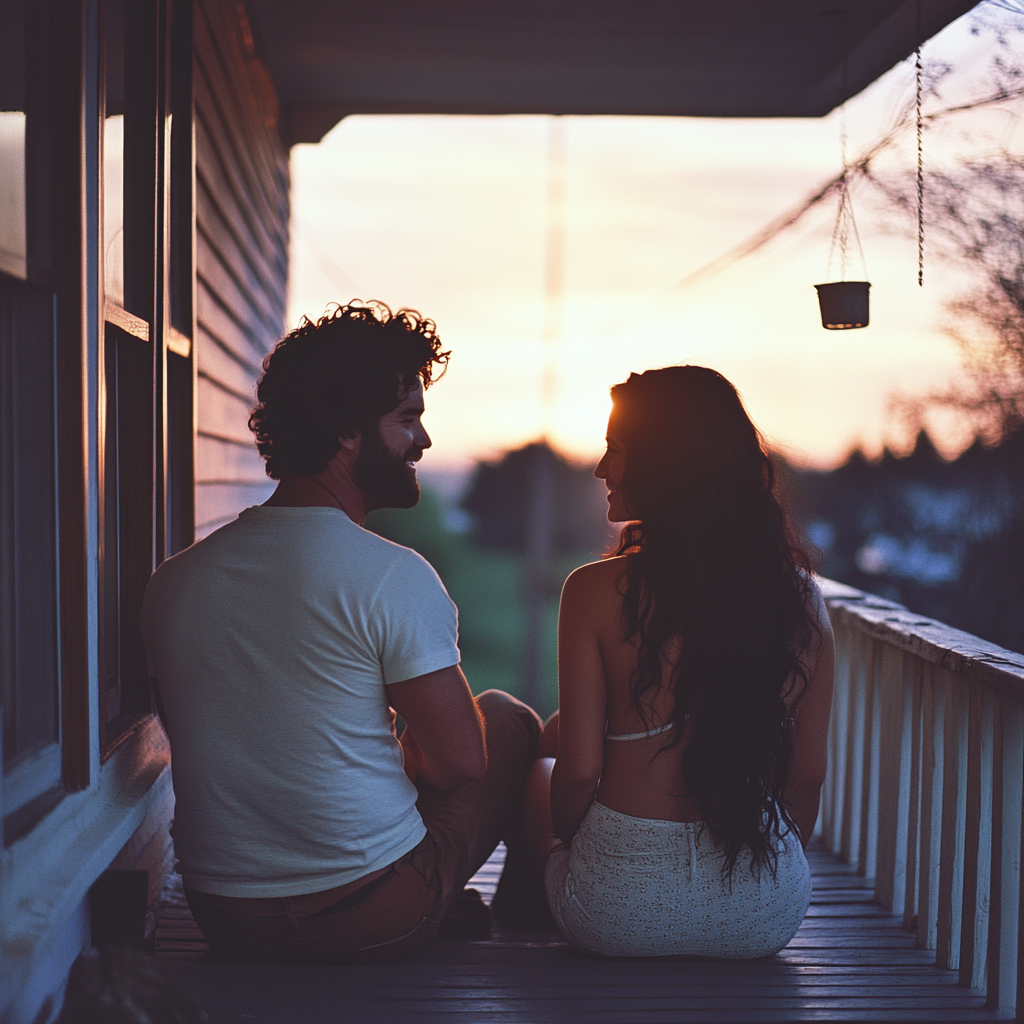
{"x":241,"y":255}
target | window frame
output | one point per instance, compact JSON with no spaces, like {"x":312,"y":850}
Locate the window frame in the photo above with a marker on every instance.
{"x":65,"y":257}
{"x":35,"y":775}
{"x":158,"y":313}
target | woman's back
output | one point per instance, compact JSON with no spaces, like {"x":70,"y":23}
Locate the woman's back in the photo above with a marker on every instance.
{"x":644,"y":876}
{"x":642,"y":775}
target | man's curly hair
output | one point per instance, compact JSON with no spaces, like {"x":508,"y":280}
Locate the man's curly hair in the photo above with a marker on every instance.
{"x":334,"y":378}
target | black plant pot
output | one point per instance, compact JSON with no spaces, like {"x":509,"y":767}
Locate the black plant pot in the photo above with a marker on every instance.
{"x":844,"y":304}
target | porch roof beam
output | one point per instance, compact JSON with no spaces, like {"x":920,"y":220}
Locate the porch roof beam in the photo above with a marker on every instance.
{"x":705,"y":58}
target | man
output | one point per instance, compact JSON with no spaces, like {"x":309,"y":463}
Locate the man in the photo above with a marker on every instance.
{"x":281,"y":648}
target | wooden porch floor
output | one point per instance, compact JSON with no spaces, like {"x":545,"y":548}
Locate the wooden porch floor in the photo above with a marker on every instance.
{"x":849,"y":961}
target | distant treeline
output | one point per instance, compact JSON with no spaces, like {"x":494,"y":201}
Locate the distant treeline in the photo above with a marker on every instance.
{"x":500,"y":493}
{"x":944,"y":538}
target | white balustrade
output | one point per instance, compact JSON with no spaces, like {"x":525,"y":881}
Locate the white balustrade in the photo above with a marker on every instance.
{"x":924,"y":791}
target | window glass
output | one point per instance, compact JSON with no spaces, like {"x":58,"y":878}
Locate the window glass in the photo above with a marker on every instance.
{"x":113,"y":207}
{"x":113,"y":153}
{"x":28,"y":537}
{"x":29,"y":635}
{"x":128,"y":518}
{"x":13,"y":234}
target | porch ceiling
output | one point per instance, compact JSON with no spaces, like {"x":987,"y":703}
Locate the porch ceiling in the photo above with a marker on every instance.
{"x":708,"y":58}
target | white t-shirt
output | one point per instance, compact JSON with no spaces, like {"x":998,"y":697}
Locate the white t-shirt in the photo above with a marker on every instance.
{"x":272,"y":640}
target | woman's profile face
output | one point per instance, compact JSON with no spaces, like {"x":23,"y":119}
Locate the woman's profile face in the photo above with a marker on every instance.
{"x":611,"y":470}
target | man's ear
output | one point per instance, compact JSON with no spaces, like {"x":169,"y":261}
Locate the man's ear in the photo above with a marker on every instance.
{"x":350,"y":443}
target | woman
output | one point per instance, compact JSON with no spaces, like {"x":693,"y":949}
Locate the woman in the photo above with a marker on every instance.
{"x":695,"y":685}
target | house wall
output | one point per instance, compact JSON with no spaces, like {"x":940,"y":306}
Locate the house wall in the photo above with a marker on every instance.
{"x":241,"y":255}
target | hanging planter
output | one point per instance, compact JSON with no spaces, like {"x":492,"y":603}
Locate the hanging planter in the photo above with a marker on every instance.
{"x":843,"y":304}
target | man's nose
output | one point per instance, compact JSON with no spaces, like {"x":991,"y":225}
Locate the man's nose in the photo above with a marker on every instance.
{"x":422,"y":439}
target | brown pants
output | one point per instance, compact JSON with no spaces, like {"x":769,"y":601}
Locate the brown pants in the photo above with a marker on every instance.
{"x":399,"y":912}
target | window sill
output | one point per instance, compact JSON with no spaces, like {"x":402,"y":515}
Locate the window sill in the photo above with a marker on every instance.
{"x":45,"y":875}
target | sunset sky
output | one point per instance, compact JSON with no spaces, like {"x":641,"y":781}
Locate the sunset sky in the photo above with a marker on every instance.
{"x":446,"y":214}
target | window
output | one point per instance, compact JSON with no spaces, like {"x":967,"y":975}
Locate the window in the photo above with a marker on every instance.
{"x":29,"y":618}
{"x":127,"y":514}
{"x":127,"y":198}
{"x":147,"y":377}
{"x":13,"y":243}
{"x":126,"y":417}
{"x":113,"y":152}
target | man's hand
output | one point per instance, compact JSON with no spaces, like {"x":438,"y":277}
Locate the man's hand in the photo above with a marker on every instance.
{"x":443,"y":740}
{"x":412,"y":755}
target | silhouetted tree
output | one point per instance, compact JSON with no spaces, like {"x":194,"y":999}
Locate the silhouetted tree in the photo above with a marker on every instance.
{"x":499,"y":497}
{"x":975,"y":219}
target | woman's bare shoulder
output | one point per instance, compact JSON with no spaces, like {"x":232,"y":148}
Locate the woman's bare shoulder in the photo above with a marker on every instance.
{"x":595,"y":584}
{"x":606,"y":572}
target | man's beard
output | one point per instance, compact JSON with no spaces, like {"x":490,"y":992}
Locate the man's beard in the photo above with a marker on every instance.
{"x":385,"y":477}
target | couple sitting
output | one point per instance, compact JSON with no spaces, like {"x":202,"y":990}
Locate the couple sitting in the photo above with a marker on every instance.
{"x":694,"y":685}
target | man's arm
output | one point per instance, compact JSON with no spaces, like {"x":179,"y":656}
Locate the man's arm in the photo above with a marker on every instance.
{"x":444,"y":737}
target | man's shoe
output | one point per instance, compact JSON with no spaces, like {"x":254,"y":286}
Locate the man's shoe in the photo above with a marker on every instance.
{"x":520,"y":903}
{"x":468,"y":918}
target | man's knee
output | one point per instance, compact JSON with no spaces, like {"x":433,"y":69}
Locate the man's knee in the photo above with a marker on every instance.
{"x":503,"y":711}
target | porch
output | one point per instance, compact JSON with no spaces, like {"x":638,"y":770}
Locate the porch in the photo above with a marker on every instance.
{"x":915,"y":913}
{"x":144,"y":244}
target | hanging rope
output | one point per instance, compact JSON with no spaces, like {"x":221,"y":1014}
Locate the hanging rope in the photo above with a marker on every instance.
{"x":920,"y":156}
{"x":846,"y":223}
{"x":844,"y":215}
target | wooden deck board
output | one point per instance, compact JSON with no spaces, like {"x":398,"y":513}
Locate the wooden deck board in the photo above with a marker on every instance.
{"x":849,"y":961}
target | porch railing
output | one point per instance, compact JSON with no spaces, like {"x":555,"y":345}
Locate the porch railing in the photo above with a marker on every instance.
{"x":924,"y":794}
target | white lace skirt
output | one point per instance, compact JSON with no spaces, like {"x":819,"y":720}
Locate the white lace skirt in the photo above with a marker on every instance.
{"x":645,"y":887}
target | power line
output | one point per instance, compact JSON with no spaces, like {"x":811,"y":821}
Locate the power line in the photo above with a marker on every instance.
{"x":328,"y":264}
{"x":540,"y":536}
{"x":858,"y":168}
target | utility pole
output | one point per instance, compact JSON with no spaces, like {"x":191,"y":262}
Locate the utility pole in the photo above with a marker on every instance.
{"x":539,"y":535}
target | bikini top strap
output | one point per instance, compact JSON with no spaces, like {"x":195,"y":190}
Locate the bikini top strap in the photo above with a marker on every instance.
{"x":639,"y":735}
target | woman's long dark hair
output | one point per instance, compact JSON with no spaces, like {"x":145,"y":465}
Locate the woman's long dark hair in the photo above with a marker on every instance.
{"x":711,"y":561}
